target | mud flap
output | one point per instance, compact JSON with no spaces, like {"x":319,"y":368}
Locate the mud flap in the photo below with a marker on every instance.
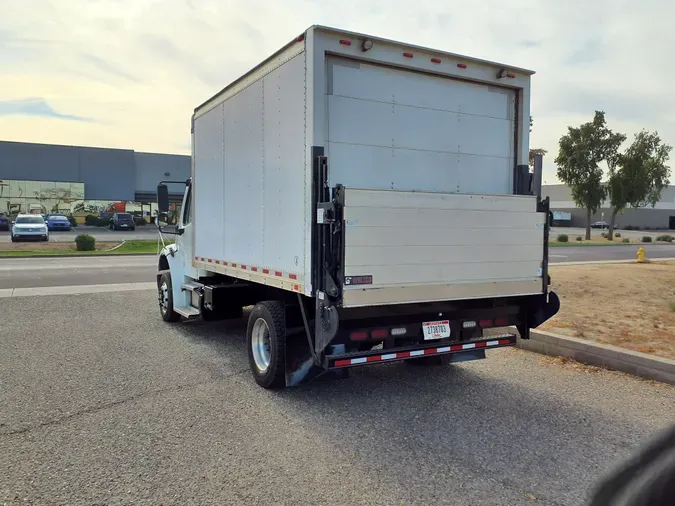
{"x":300,"y":367}
{"x":545,"y":311}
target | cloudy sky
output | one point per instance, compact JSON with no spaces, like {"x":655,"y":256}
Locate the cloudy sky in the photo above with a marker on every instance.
{"x":128,"y":73}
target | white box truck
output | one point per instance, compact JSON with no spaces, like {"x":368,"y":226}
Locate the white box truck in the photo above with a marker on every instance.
{"x":371,"y":199}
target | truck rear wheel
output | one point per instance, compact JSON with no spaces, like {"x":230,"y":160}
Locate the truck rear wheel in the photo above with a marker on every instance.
{"x":266,"y":341}
{"x":166,"y":299}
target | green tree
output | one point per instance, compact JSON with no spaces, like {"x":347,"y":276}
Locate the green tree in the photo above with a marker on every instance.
{"x":581,"y":151}
{"x":639,"y":175}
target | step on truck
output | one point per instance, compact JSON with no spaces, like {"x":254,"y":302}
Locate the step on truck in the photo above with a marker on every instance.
{"x":371,"y":200}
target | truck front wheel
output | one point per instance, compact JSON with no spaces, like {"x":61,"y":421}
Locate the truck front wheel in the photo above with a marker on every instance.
{"x":166,"y":299}
{"x":266,"y":340}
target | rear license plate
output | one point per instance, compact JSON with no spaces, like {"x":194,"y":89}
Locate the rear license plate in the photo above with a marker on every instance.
{"x":436,"y":330}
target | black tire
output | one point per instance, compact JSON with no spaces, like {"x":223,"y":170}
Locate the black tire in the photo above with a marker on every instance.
{"x":166,"y":299}
{"x":268,"y":319}
{"x":13,"y":239}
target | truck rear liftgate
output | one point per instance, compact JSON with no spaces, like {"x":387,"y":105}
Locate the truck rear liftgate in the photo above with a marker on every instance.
{"x":383,"y":261}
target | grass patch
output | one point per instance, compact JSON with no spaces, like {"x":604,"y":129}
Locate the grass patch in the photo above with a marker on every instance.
{"x":137,"y":247}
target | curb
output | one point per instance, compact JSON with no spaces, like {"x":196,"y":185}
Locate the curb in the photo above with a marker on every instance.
{"x":649,"y":260}
{"x":76,"y":289}
{"x":601,"y":355}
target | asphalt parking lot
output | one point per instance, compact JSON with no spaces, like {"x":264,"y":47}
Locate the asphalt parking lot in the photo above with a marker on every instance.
{"x":103,"y":403}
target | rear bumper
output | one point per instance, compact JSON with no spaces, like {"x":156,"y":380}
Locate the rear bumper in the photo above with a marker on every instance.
{"x":395,"y":355}
{"x":24,"y":236}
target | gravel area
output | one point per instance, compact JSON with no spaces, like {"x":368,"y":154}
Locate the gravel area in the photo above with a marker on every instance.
{"x":103,"y":403}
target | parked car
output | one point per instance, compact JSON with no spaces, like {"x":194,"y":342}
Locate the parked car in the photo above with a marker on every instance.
{"x":30,"y":226}
{"x":57,"y":222}
{"x":4,"y":222}
{"x":122,"y":221}
{"x":600,"y":224}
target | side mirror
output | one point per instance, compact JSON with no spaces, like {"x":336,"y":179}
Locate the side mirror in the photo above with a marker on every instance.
{"x":163,"y":198}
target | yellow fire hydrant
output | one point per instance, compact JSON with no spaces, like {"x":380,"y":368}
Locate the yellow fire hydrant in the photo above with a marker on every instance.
{"x":641,"y":255}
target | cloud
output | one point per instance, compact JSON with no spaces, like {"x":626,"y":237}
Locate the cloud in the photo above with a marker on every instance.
{"x":139,"y":67}
{"x":107,"y":68}
{"x":37,"y":107}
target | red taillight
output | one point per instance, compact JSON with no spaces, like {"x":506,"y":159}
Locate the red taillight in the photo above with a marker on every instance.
{"x":461,"y":65}
{"x":435,"y":60}
{"x":485,"y":323}
{"x":501,"y":322}
{"x":359,"y":335}
{"x":379,"y":333}
{"x":408,"y":55}
{"x":346,"y":42}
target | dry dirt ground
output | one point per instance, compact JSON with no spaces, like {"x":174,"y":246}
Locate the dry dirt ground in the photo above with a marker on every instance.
{"x":626,"y":305}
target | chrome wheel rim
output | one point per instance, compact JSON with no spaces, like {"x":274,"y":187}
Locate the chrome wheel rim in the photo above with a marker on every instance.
{"x":260,"y":345}
{"x":164,"y":298}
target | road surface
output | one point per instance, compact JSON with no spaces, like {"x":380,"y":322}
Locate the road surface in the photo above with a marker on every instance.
{"x":601,"y":253}
{"x":59,"y":271}
{"x":104,"y":403}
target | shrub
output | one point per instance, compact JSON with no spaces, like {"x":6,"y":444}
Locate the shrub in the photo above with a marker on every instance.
{"x":647,"y":238}
{"x":579,"y":238}
{"x":618,"y":234}
{"x":72,"y":221}
{"x":665,"y":238}
{"x":563,"y":238}
{"x":629,"y":227}
{"x":140,"y":222}
{"x":102,"y":222}
{"x":671,"y":305}
{"x":626,"y":240}
{"x":90,"y":219}
{"x":604,"y":234}
{"x":85,"y":242}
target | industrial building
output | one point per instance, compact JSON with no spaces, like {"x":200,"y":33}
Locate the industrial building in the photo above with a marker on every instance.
{"x":82,"y":180}
{"x":659,"y":217}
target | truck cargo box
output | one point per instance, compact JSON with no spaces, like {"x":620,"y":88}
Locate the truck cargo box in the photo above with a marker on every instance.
{"x":430,"y":148}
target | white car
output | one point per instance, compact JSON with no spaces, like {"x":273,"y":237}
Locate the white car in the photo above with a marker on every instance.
{"x":29,"y":226}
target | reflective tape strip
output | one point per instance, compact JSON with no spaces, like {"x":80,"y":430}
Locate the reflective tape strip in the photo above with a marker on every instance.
{"x":252,"y":268}
{"x":501,"y":340}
